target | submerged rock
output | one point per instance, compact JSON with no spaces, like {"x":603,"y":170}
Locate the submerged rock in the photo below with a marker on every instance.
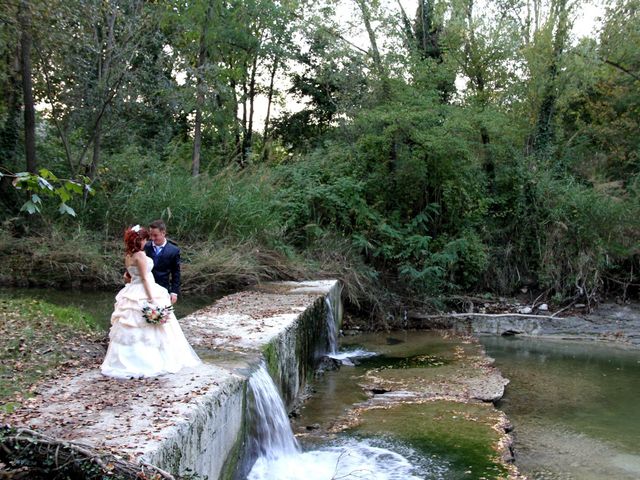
{"x":511,"y":333}
{"x":328,"y":364}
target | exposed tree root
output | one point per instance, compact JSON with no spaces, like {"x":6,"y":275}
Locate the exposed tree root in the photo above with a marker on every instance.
{"x":28,"y":454}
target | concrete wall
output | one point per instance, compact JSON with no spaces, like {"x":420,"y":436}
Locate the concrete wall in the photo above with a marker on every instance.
{"x":291,"y":343}
{"x":210,"y":441}
{"x":194,"y":421}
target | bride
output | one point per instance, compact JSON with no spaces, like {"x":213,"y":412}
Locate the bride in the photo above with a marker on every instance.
{"x":138,"y":348}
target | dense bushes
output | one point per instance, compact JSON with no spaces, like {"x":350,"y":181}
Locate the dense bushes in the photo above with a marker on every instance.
{"x":399,"y":199}
{"x":391,"y":176}
{"x":233,"y":205}
{"x":408,"y":193}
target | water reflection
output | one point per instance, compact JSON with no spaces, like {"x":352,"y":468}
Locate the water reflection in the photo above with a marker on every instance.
{"x":99,"y":304}
{"x":573,"y":405}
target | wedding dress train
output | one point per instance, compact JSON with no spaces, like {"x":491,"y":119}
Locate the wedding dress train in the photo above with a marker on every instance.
{"x":141,"y":349}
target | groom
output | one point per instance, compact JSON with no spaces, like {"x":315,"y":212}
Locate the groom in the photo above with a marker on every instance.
{"x":166,"y":259}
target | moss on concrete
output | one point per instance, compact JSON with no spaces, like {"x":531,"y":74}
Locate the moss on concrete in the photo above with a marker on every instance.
{"x":232,"y":465}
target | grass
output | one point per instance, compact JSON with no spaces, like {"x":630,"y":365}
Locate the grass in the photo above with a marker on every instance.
{"x":37,"y":309}
{"x":59,"y":258}
{"x":37,"y":338}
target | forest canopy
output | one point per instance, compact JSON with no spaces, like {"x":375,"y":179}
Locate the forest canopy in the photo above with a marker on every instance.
{"x":461,"y":147}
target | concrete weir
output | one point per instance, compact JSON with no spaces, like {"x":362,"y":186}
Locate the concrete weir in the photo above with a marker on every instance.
{"x":195,"y":421}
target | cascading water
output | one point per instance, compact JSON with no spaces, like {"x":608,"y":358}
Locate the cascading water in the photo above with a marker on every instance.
{"x":279,"y":456}
{"x":332,"y":329}
{"x":350,"y":460}
{"x":272,"y":437}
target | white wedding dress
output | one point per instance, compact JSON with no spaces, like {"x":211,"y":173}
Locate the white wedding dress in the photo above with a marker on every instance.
{"x":141,"y":349}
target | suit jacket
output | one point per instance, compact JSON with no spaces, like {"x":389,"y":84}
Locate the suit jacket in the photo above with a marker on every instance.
{"x":166,"y":266}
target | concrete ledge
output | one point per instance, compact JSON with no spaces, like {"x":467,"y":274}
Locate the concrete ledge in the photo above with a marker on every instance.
{"x":610,"y":323}
{"x":195,"y":420}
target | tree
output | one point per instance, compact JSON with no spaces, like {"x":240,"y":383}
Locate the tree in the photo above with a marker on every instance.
{"x":26,"y":40}
{"x":201,"y":65}
{"x":96,"y":44}
{"x":10,"y":85}
{"x":557,"y":32}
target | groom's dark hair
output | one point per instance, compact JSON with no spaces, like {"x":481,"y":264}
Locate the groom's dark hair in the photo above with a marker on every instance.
{"x":159,"y":224}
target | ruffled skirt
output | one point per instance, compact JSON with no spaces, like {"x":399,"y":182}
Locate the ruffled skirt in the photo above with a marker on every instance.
{"x":140,"y":349}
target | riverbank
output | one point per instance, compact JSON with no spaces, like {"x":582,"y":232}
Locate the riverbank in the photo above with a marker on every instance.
{"x":84,"y":261}
{"x":40,"y":340}
{"x":610,"y":323}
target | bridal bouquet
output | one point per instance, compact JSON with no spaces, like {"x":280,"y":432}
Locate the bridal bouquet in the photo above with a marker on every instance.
{"x":156,"y":315}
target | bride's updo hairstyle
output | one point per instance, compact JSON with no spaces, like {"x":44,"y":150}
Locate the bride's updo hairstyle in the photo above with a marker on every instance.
{"x":132,"y":237}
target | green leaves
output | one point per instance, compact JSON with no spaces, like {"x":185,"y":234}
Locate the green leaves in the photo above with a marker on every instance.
{"x":48,"y":186}
{"x":32,"y":206}
{"x":66,"y":209}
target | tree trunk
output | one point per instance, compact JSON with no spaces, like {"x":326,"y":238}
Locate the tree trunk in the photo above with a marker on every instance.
{"x":104,"y":70}
{"x":375,"y":51}
{"x":409,"y":37}
{"x":236,"y":121}
{"x":248,"y":138}
{"x":10,"y":131}
{"x":274,"y":69}
{"x":197,"y":133}
{"x":27,"y":87}
{"x":242,"y":156}
{"x":545,"y":130}
{"x":426,"y":35}
{"x":56,"y":116}
{"x":200,"y":90}
{"x":197,"y":137}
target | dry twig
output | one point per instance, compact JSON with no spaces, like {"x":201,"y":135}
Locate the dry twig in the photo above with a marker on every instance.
{"x":50,"y":457}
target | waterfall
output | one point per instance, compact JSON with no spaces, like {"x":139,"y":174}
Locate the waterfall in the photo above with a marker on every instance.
{"x":272,"y":435}
{"x":350,"y":459}
{"x":332,"y":329}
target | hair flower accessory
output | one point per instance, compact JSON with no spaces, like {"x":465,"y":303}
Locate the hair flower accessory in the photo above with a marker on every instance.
{"x":136,"y":228}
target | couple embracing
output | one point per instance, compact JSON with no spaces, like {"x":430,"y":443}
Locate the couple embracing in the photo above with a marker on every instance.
{"x":166,"y":259}
{"x":145,"y":339}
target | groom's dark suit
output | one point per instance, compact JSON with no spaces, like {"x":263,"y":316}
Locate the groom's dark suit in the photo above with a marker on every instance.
{"x":166,"y":265}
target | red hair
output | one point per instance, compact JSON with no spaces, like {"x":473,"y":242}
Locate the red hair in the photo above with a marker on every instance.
{"x":132,"y":239}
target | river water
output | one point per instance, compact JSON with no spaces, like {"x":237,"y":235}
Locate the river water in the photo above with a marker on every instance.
{"x":574,"y":407}
{"x":395,"y":437}
{"x":99,"y":304}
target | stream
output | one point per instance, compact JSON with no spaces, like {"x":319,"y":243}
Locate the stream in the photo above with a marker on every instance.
{"x":99,"y":303}
{"x":398,"y":435}
{"x":574,"y":407}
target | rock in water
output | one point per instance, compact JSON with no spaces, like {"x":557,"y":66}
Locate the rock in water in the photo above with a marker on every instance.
{"x":510,"y":333}
{"x":328,"y":364}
